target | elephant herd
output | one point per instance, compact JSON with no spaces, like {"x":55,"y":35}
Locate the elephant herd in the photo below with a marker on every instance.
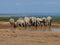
{"x":31,"y":21}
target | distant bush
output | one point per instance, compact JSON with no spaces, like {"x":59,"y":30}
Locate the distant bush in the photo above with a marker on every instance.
{"x":6,"y":18}
{"x":56,"y":20}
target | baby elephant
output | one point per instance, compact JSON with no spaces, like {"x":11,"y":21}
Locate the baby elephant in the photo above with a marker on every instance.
{"x":12,"y":22}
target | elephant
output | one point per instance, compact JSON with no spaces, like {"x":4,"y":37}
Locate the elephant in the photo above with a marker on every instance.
{"x":20,"y":22}
{"x":41,"y":21}
{"x":44,"y":21}
{"x":49,"y":20}
{"x":38,"y":21}
{"x":12,"y":22}
{"x":27,"y":21}
{"x":33,"y":21}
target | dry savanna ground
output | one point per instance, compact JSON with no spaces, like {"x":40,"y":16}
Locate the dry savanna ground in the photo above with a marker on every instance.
{"x":26,"y":37}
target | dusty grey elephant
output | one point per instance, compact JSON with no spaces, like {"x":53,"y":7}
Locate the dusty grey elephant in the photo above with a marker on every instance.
{"x":44,"y":21}
{"x":38,"y":21}
{"x":33,"y":21}
{"x":20,"y":22}
{"x":41,"y":21}
{"x":12,"y":22}
{"x":27,"y":21}
{"x":49,"y":20}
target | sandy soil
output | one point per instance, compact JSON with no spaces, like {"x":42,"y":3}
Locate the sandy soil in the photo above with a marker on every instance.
{"x":19,"y":37}
{"x":26,"y":37}
{"x":56,"y":25}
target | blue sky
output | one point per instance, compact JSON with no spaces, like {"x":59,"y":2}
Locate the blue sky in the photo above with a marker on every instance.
{"x":29,"y":6}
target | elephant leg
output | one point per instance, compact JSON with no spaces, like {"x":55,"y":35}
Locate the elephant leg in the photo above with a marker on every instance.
{"x":36,"y":24}
{"x":50,"y":22}
{"x":32,"y":24}
{"x":26,"y":24}
{"x":44,"y":22}
{"x":19,"y":24}
{"x":39,"y":24}
{"x":15,"y":26}
{"x":23,"y":24}
{"x":29,"y":24}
